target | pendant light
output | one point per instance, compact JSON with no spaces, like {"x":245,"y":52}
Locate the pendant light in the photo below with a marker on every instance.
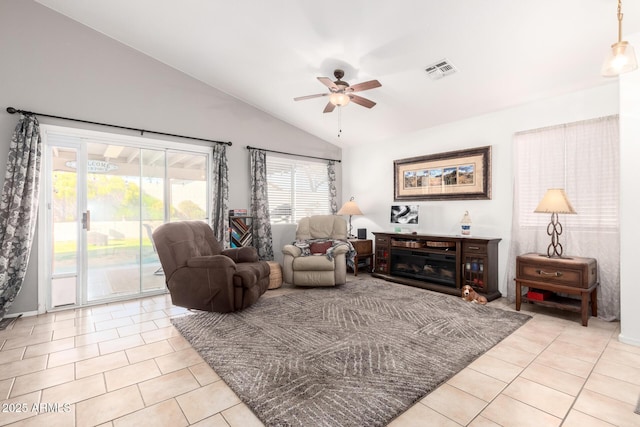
{"x":621,"y":58}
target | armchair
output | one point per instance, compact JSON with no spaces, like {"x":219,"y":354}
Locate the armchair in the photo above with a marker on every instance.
{"x":319,"y":255}
{"x":201,"y":275}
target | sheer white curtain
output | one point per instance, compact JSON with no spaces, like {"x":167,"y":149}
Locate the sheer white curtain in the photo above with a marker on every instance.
{"x":583,"y":158}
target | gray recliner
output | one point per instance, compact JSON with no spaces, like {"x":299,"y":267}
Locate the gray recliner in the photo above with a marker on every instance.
{"x":304,"y":266}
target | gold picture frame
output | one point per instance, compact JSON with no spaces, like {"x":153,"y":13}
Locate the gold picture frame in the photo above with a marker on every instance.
{"x":454,"y":175}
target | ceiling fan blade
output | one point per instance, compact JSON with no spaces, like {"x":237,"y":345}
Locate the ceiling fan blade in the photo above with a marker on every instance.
{"x":329,"y":108}
{"x":362,"y":101}
{"x":365,"y":86}
{"x":317,"y":95}
{"x":328,"y":83}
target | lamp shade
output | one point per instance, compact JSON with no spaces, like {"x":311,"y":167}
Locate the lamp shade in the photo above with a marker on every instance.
{"x":621,"y":59}
{"x":339,"y":99}
{"x":555,"y":201}
{"x":350,"y":208}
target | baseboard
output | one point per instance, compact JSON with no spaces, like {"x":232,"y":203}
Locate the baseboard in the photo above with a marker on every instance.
{"x":628,"y":340}
{"x":24,"y":314}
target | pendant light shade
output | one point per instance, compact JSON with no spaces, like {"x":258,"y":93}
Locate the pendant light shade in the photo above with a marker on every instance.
{"x":621,"y":57}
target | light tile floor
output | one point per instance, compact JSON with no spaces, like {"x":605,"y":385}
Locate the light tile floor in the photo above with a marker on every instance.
{"x":123,"y":364}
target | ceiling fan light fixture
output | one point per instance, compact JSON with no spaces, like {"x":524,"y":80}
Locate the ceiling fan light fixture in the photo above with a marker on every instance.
{"x":621,"y":57}
{"x":339,"y":99}
{"x":341,"y":93}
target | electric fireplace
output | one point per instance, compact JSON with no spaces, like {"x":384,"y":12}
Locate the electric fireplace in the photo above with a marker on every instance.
{"x":435,"y":267}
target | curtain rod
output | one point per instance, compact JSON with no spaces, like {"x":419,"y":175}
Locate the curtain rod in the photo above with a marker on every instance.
{"x":545,"y":128}
{"x":292,"y":154}
{"x":12,"y":110}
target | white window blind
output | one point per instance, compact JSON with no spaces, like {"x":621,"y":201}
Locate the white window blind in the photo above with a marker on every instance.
{"x":296,"y":188}
{"x":580,"y":157}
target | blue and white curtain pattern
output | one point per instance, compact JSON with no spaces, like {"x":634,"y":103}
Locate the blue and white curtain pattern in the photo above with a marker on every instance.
{"x":19,"y":208}
{"x":333,"y":192}
{"x":261,"y":224}
{"x":220,"y":194}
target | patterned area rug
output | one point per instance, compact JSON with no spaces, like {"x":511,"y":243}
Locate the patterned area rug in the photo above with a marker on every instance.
{"x":637,"y":411}
{"x":8,"y":321}
{"x":359,"y":354}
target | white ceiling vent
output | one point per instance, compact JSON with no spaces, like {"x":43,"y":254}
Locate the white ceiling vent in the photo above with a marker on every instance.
{"x":440,"y":69}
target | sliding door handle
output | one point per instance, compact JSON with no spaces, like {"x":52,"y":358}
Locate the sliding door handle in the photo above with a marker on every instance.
{"x":86,"y":220}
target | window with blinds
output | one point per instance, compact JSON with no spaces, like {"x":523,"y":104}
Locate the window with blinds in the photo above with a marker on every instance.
{"x":296,"y":188}
{"x":582,"y":158}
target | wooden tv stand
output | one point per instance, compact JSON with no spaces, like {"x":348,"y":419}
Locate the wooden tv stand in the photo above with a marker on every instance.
{"x":438,"y":262}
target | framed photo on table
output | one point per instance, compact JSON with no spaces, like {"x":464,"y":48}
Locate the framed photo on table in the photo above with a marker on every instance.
{"x":454,"y":175}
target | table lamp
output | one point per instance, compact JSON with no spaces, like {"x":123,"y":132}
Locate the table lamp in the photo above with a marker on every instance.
{"x":555,"y":202}
{"x":350,"y":208}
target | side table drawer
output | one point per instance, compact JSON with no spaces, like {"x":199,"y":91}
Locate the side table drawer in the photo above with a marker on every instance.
{"x":560,"y":276}
{"x":575,"y":272}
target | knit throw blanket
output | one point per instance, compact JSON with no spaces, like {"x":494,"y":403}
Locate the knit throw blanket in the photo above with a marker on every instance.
{"x":305,"y":247}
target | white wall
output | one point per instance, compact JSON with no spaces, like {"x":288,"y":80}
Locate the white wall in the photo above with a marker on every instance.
{"x":368,"y":169}
{"x":53,"y":65}
{"x":629,"y":201}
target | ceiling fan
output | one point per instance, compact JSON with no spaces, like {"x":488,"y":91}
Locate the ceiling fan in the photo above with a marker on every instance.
{"x":341,"y":93}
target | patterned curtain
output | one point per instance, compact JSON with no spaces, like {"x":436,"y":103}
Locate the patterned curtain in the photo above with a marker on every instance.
{"x":19,"y":208}
{"x":261,"y":224}
{"x":220,"y":193}
{"x":333,"y":193}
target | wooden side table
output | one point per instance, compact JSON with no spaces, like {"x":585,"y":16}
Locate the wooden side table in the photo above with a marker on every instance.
{"x":567,"y":275}
{"x":364,"y":251}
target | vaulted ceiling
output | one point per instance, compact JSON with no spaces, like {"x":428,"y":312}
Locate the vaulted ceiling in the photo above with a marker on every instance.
{"x":265,"y":53}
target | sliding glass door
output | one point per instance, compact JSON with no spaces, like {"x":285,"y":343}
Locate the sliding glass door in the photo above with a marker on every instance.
{"x":63,"y":223}
{"x":104,"y":197}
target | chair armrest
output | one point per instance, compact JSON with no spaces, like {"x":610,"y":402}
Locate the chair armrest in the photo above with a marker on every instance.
{"x":213,"y":261}
{"x":292,"y":250}
{"x":341,"y":249}
{"x":205,"y":283}
{"x":244,"y":254}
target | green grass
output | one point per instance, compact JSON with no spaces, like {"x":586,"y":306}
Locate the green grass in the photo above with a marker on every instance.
{"x":71,"y":246}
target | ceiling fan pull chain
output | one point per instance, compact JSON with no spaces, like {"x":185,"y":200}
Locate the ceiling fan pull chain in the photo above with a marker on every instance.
{"x":339,"y":121}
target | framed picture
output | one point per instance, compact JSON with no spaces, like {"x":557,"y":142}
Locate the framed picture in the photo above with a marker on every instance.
{"x":454,"y":175}
{"x":404,"y":214}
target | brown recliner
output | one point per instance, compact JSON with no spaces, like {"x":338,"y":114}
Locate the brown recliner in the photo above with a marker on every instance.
{"x":201,"y":275}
